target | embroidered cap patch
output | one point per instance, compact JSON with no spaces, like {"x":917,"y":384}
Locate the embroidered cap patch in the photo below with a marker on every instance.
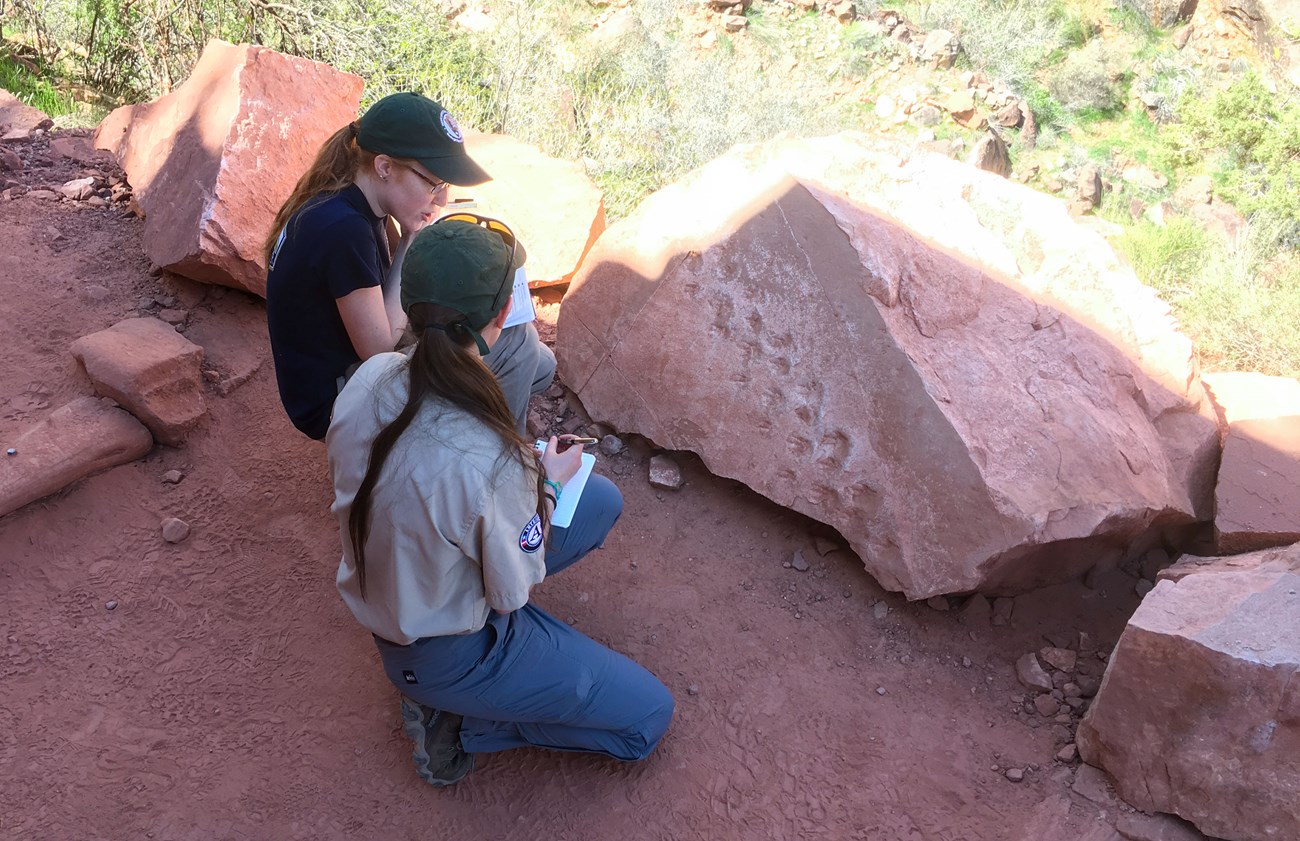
{"x":450,"y":128}
{"x":530,"y":539}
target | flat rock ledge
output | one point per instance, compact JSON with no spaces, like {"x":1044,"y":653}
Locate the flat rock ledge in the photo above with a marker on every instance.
{"x":82,"y":438}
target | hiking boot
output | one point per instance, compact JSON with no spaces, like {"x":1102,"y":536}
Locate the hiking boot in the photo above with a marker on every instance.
{"x":438,"y":757}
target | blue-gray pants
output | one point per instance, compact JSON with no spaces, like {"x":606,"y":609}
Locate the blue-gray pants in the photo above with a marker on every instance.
{"x":523,"y":367}
{"x":527,"y":679}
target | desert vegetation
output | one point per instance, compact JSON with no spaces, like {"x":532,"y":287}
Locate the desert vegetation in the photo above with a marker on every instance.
{"x":641,"y":92}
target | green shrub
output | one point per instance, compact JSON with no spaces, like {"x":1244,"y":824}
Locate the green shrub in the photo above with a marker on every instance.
{"x":1086,"y":84}
{"x":1130,"y":18}
{"x":1164,"y":256}
{"x":1251,"y":139}
{"x":1239,"y":301}
{"x":1010,"y":40}
{"x":35,"y":90}
{"x":1048,"y":113}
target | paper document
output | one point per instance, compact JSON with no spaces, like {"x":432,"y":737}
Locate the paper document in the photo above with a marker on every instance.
{"x":562,"y":516}
{"x":521,"y":307}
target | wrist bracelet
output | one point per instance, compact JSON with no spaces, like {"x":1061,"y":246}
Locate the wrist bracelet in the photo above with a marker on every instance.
{"x":556,"y":486}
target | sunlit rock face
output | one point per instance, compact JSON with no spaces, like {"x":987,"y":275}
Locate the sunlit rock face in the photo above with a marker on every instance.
{"x":212,"y":162}
{"x":1257,"y":497}
{"x":551,"y":204}
{"x":934,"y":360}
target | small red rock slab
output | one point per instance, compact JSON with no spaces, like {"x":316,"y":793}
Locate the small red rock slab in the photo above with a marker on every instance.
{"x":84,"y":437}
{"x":18,"y":116}
{"x":1257,"y":498}
{"x":79,"y":150}
{"x":1199,"y":714}
{"x":150,"y":369}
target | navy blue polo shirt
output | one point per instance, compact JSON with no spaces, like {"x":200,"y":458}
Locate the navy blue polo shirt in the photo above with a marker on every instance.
{"x":332,"y":247}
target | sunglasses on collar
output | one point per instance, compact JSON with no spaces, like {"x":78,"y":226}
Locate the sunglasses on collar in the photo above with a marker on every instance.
{"x":502,"y":230}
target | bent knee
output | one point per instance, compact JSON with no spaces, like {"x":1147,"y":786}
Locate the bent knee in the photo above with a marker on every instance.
{"x":645,"y":736}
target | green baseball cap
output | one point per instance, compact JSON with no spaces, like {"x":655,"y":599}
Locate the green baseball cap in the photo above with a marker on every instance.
{"x":466,"y":267}
{"x":407,"y":125}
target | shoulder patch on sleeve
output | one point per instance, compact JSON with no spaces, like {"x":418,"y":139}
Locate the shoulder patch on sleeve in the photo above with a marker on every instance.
{"x":530,"y":539}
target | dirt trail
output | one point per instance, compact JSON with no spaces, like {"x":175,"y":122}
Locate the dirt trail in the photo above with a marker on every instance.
{"x":229,"y":694}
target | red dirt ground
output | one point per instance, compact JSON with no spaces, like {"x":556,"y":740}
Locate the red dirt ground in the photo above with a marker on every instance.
{"x":230,"y":695}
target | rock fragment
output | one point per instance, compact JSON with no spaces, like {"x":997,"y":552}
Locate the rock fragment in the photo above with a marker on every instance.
{"x":1092,"y":784}
{"x":78,"y":189}
{"x":665,"y":473}
{"x":1031,"y":673}
{"x":18,"y":120}
{"x":149,"y":368}
{"x":10,"y":161}
{"x":990,"y":154}
{"x":1059,"y":658}
{"x":551,"y":203}
{"x":175,"y":530}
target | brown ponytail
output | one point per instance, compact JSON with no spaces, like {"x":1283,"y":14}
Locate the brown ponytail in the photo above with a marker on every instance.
{"x":445,"y":366}
{"x":334,"y":169}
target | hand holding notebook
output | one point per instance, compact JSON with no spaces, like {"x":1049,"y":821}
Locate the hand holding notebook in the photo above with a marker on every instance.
{"x":562,"y":516}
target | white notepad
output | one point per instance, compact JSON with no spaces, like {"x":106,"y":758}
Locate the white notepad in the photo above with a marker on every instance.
{"x":562,"y":516}
{"x":521,"y":307}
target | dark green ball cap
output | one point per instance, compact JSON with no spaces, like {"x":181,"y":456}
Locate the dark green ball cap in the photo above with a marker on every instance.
{"x":461,"y":266}
{"x":407,"y":125}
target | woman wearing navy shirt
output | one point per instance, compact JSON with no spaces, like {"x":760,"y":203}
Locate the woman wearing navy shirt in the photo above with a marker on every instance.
{"x":331,"y":292}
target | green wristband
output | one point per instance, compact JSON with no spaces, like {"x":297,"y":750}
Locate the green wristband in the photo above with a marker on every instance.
{"x":556,"y":486}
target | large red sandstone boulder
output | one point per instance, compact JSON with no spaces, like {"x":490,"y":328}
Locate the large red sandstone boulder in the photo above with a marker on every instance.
{"x":552,"y":204}
{"x":212,"y":162}
{"x":19,"y":118}
{"x":149,"y":368}
{"x":1257,"y":500}
{"x":932,"y":359}
{"x":84,"y":437}
{"x":1199,"y":711}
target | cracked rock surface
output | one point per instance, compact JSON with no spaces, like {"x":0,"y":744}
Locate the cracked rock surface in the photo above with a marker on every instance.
{"x":937,"y":362}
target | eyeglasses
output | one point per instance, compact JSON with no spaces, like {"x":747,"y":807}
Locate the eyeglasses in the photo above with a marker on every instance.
{"x":499,"y":228}
{"x":434,"y":185}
